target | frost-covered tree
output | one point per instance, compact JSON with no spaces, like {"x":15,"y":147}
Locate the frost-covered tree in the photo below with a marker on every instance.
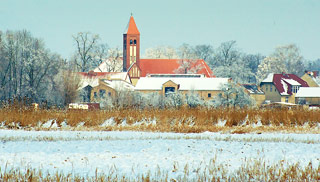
{"x":204,"y":52}
{"x":269,"y":65}
{"x":313,"y":65}
{"x":27,"y":67}
{"x":161,"y":52}
{"x":285,"y":58}
{"x":233,"y":95}
{"x":174,"y":99}
{"x":229,"y":62}
{"x":193,"y":99}
{"x":187,"y":60}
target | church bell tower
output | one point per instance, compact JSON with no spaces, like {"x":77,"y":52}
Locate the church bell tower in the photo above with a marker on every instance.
{"x":131,"y":47}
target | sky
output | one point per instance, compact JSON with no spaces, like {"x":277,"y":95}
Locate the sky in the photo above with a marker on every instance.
{"x":258,"y":26}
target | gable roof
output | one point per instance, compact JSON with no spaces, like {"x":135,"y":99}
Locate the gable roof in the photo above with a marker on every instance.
{"x":169,"y":66}
{"x":118,"y":84}
{"x":252,"y":89}
{"x":308,"y":92}
{"x":155,"y":83}
{"x":92,"y":78}
{"x":283,"y":82}
{"x":131,"y":27}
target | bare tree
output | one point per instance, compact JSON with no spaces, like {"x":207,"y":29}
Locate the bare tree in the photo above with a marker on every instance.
{"x":68,"y":86}
{"x":86,"y":44}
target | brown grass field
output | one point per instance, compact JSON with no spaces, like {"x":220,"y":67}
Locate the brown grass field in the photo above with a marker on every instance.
{"x":183,"y":120}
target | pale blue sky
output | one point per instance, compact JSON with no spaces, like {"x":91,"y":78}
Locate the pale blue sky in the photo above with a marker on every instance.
{"x":258,"y":26}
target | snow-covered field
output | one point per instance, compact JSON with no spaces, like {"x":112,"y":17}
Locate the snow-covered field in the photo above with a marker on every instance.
{"x":135,"y":153}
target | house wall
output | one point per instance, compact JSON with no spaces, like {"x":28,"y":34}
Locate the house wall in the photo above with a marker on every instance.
{"x":291,"y":98}
{"x":259,"y":98}
{"x":272,"y":95}
{"x":310,"y":100}
{"x":309,"y":80}
{"x":202,"y":93}
{"x":97,"y":91}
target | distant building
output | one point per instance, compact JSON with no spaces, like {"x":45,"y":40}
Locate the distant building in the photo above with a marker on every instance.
{"x":109,"y":88}
{"x":138,"y":68}
{"x":309,"y":96}
{"x":207,"y":88}
{"x":282,"y":87}
{"x":312,"y":78}
{"x":91,"y":80}
{"x":255,"y":92}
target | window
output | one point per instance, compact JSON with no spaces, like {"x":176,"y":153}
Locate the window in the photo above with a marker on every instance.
{"x":294,"y":89}
{"x":168,"y":90}
{"x":135,"y":42}
{"x":95,"y":95}
{"x":287,"y":99}
{"x":109,"y":94}
{"x":102,"y":93}
{"x":270,"y":88}
{"x":131,"y":42}
{"x":209,"y":95}
{"x":266,"y":88}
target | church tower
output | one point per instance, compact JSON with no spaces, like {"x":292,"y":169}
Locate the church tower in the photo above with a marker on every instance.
{"x":131,"y":47}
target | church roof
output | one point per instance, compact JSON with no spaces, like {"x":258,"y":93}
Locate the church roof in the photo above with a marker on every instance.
{"x":131,"y":27}
{"x":170,"y":66}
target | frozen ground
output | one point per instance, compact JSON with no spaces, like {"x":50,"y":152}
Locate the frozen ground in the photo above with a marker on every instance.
{"x":136,"y":153}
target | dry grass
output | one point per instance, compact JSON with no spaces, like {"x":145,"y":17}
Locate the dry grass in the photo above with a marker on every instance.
{"x":250,"y":170}
{"x":184,"y":120}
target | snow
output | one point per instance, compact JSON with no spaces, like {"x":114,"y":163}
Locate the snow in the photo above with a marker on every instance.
{"x":118,"y":84}
{"x":308,"y":92}
{"x":269,"y":78}
{"x":292,"y":82}
{"x":285,"y":88}
{"x":134,"y":153}
{"x":155,"y":83}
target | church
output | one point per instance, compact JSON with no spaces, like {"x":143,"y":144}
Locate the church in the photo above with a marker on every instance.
{"x":134,"y":68}
{"x":137,"y":67}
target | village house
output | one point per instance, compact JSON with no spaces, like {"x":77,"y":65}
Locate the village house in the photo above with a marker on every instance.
{"x":312,"y":78}
{"x":308,"y":96}
{"x":205,"y":87}
{"x":255,"y":92}
{"x":282,"y":87}
{"x":92,"y":82}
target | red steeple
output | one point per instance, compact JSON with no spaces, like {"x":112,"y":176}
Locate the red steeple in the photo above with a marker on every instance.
{"x":132,"y":27}
{"x":131,"y":48}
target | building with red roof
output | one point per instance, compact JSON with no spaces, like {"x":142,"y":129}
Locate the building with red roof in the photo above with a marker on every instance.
{"x":282,"y":87}
{"x":137,"y":67}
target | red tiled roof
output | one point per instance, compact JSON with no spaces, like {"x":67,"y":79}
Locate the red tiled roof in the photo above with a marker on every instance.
{"x":169,"y":66}
{"x":92,"y":74}
{"x":280,"y":87}
{"x":132,"y":27}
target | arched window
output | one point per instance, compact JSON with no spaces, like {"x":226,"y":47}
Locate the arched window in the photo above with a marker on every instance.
{"x":135,"y":42}
{"x":131,"y":42}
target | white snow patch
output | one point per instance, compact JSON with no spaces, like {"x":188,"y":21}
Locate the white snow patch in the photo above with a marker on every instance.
{"x":108,"y":122}
{"x":221,"y":122}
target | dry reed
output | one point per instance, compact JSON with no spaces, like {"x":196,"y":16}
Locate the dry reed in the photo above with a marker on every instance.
{"x":184,"y":120}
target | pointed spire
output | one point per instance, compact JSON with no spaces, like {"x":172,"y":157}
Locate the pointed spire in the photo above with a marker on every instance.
{"x":131,"y":27}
